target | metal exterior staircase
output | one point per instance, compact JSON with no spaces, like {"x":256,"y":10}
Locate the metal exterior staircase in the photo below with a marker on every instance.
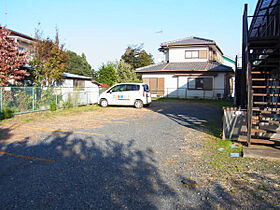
{"x":261,"y":61}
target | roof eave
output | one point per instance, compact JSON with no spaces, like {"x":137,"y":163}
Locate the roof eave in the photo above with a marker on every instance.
{"x":184,"y":44}
{"x":183,"y":70}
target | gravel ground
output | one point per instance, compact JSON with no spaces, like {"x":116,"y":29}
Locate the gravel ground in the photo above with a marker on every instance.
{"x":138,"y":164}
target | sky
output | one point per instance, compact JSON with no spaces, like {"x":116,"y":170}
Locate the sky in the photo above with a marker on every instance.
{"x":103,"y":29}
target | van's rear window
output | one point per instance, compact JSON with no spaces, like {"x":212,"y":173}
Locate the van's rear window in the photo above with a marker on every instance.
{"x":146,"y":88}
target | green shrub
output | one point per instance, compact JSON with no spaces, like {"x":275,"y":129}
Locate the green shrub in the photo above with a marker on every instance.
{"x":7,"y":113}
{"x":68,"y":103}
{"x":53,"y":106}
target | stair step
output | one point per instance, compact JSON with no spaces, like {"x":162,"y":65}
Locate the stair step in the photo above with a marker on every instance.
{"x":265,"y":138}
{"x":259,"y":94}
{"x":266,"y":110}
{"x":263,"y":79}
{"x":260,"y":87}
{"x":257,"y":130}
{"x":255,"y":141}
{"x":267,"y":59}
{"x":265,"y":102}
{"x":266,"y":94}
{"x":256,"y":122}
{"x":263,"y":65}
{"x":259,"y":72}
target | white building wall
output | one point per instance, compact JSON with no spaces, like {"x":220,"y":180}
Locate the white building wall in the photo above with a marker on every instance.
{"x":177,"y":86}
{"x":178,"y":54}
{"x":92,"y":91}
{"x":87,"y":96}
{"x":230,"y":64}
{"x":219,"y":84}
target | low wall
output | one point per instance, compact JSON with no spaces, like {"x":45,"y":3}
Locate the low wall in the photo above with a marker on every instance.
{"x":233,"y":121}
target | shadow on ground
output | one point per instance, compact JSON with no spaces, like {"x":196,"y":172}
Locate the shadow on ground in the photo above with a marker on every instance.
{"x":202,"y":117}
{"x":5,"y":134}
{"x":86,"y":173}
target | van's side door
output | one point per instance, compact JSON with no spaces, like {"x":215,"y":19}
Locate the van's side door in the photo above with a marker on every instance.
{"x":132,"y":91}
{"x":118,"y":95}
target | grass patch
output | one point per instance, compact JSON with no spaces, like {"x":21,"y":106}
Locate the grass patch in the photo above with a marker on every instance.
{"x":219,"y":103}
{"x":52,"y":114}
{"x":221,"y":160}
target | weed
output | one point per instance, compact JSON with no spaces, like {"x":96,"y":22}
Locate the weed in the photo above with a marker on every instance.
{"x":53,"y":106}
{"x":28,"y":119}
{"x":7,"y":113}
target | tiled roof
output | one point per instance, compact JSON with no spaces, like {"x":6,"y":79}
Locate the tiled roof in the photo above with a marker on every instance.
{"x":188,"y":40}
{"x":186,"y":66}
{"x":65,"y":74}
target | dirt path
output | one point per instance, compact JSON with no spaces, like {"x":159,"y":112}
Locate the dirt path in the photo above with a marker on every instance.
{"x":128,"y":158}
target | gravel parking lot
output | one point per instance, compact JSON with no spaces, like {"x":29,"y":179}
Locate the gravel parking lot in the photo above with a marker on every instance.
{"x":110,"y":158}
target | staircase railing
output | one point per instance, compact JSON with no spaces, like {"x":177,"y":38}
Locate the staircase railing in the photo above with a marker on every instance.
{"x":246,"y":65}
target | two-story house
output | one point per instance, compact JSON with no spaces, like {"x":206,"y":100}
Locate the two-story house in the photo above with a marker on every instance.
{"x":25,"y":43}
{"x":193,"y":68}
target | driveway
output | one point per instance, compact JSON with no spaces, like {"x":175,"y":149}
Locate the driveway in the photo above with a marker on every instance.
{"x":110,"y":158}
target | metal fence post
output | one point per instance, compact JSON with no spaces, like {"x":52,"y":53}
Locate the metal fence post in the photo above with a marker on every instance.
{"x":56,"y":98}
{"x":33,"y":99}
{"x":1,"y":98}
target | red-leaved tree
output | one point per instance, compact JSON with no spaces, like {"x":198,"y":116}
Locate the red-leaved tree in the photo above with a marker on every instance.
{"x":11,"y":60}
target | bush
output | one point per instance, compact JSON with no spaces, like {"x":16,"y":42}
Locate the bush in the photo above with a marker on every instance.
{"x":53,"y":106}
{"x":7,"y":113}
{"x":68,"y":103}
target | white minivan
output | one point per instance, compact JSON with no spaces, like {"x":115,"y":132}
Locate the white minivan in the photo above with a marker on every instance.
{"x":129,"y":94}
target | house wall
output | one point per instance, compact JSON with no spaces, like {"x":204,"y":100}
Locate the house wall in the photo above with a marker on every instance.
{"x":88,"y":95}
{"x":24,"y":45}
{"x":229,"y":63}
{"x":166,"y":56}
{"x":92,"y":91}
{"x":178,"y":54}
{"x":177,"y":86}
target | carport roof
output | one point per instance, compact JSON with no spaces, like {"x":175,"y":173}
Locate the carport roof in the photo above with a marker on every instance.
{"x":185,"y":67}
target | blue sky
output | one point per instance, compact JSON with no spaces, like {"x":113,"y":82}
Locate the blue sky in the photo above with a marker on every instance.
{"x":103,"y":29}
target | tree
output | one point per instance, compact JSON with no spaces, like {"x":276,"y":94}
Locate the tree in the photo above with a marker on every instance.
{"x":11,"y":60}
{"x":125,"y":72}
{"x":50,"y":60}
{"x":107,"y":74}
{"x":77,"y":64}
{"x":137,"y":57}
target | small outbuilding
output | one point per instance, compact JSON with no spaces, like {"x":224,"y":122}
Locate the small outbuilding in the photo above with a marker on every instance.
{"x":78,"y":89}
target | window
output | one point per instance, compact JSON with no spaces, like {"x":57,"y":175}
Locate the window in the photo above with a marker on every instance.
{"x":146,"y":88}
{"x":118,"y":88}
{"x":79,"y":84}
{"x":191,"y":54}
{"x":200,"y":83}
{"x":21,"y":49}
{"x":202,"y":53}
{"x":132,"y":87}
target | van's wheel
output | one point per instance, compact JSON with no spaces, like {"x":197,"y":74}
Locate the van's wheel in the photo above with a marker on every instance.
{"x":138,"y":104}
{"x":103,"y":102}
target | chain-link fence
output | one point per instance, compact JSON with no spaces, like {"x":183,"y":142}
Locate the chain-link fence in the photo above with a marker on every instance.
{"x":31,"y":99}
